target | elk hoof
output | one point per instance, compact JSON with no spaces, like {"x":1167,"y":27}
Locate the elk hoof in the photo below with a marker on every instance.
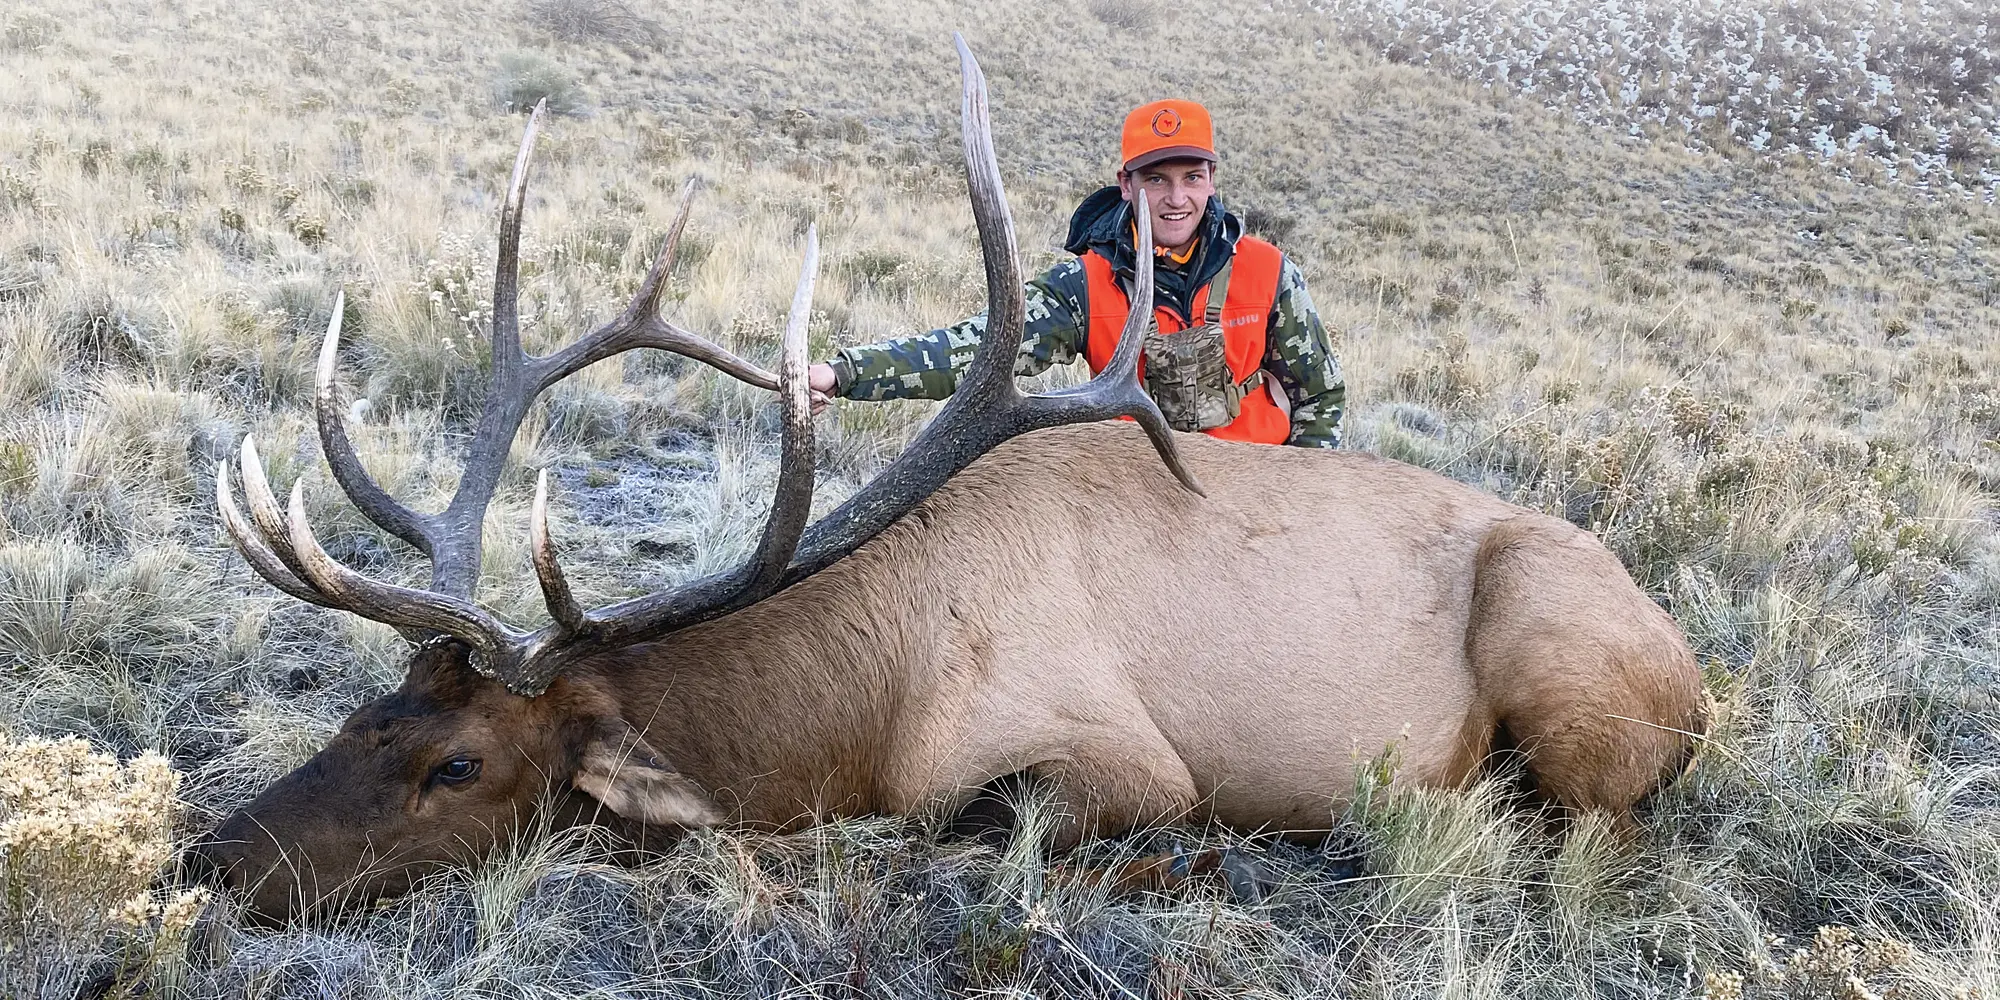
{"x":1244,"y":876}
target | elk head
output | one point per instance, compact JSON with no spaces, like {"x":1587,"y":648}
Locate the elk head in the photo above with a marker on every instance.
{"x":486,"y":729}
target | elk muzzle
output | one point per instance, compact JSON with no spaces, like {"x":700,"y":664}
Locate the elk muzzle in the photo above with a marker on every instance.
{"x":335,"y":832}
{"x":279,"y":877}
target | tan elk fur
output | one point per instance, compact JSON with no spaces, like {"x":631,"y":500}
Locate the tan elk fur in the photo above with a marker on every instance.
{"x":1062,"y":605}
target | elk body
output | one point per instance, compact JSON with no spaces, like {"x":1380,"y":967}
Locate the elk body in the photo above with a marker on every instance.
{"x":1119,"y":610}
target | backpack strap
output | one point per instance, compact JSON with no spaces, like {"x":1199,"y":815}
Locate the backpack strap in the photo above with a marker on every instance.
{"x":1218,"y":296}
{"x":1218,"y":293}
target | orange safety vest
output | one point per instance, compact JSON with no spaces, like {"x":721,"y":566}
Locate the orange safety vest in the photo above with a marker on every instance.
{"x":1246,"y":315}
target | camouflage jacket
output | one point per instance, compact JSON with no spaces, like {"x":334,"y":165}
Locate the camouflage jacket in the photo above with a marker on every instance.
{"x":1297,"y":352}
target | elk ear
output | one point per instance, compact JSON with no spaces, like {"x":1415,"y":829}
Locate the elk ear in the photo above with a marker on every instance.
{"x":620,"y":769}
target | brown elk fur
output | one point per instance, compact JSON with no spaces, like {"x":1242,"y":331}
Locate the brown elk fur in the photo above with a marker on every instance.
{"x":1063,"y":607}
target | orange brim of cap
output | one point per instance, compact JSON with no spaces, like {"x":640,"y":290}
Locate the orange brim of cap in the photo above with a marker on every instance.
{"x":1152,"y":156}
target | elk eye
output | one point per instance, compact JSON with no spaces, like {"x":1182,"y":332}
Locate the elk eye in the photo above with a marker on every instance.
{"x":458,"y":770}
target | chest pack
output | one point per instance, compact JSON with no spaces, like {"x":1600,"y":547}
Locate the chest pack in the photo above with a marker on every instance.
{"x":1187,"y":371}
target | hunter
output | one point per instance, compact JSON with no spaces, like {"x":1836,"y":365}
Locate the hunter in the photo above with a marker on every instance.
{"x":1238,"y":351}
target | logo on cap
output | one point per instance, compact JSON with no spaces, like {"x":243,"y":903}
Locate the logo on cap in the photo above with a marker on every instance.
{"x":1166,"y":123}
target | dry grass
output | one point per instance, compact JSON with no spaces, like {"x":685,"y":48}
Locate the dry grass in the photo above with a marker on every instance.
{"x":1771,"y":390}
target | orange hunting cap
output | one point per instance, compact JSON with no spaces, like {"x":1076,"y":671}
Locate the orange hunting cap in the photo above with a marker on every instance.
{"x":1167,"y":130}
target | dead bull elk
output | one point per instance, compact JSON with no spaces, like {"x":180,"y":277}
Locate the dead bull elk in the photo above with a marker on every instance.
{"x":1009,"y":596}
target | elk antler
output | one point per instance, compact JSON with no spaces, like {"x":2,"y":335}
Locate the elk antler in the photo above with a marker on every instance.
{"x":451,"y":537}
{"x":282,"y":549}
{"x":987,"y":409}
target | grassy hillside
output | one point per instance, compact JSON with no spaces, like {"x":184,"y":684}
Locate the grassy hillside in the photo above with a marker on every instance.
{"x":1770,"y":389}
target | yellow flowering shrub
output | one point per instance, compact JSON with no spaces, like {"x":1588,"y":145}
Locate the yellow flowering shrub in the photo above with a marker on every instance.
{"x":83,"y":840}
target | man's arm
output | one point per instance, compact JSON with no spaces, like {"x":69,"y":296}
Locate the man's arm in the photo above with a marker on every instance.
{"x":927,"y":365}
{"x":1298,"y":351}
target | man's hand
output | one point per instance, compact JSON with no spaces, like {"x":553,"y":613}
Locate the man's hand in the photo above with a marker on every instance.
{"x":820,"y":379}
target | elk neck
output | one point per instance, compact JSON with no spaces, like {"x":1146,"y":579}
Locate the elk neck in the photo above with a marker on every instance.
{"x":782,"y":710}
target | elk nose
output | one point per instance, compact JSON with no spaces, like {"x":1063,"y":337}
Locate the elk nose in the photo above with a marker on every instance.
{"x":210,"y":862}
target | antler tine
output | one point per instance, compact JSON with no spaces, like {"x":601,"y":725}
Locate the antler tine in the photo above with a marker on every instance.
{"x":265,"y":512}
{"x":1116,"y":391}
{"x":991,"y":373}
{"x":641,"y":326}
{"x":388,"y":603}
{"x":258,"y":554}
{"x":1139,"y":318}
{"x":273,"y":563}
{"x":548,"y":569}
{"x":647,"y":301}
{"x":792,"y":505}
{"x":371,"y":499}
{"x":507,"y":270}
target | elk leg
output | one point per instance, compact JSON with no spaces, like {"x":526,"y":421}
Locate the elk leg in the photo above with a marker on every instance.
{"x":1106,"y":787}
{"x":1166,"y":872}
{"x":991,"y":815}
{"x":1085,"y":802}
{"x":1158,"y":872}
{"x":1097,"y":790}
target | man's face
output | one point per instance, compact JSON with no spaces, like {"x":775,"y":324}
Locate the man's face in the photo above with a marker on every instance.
{"x":1178,"y":191}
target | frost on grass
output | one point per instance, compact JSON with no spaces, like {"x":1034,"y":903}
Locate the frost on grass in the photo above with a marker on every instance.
{"x":1900,"y":91}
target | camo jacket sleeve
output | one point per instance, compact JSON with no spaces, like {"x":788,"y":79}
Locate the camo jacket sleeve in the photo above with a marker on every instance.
{"x":927,"y":365}
{"x":1299,"y":352}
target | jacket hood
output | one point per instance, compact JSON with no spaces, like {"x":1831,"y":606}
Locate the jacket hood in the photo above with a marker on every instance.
{"x":1102,"y":223}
